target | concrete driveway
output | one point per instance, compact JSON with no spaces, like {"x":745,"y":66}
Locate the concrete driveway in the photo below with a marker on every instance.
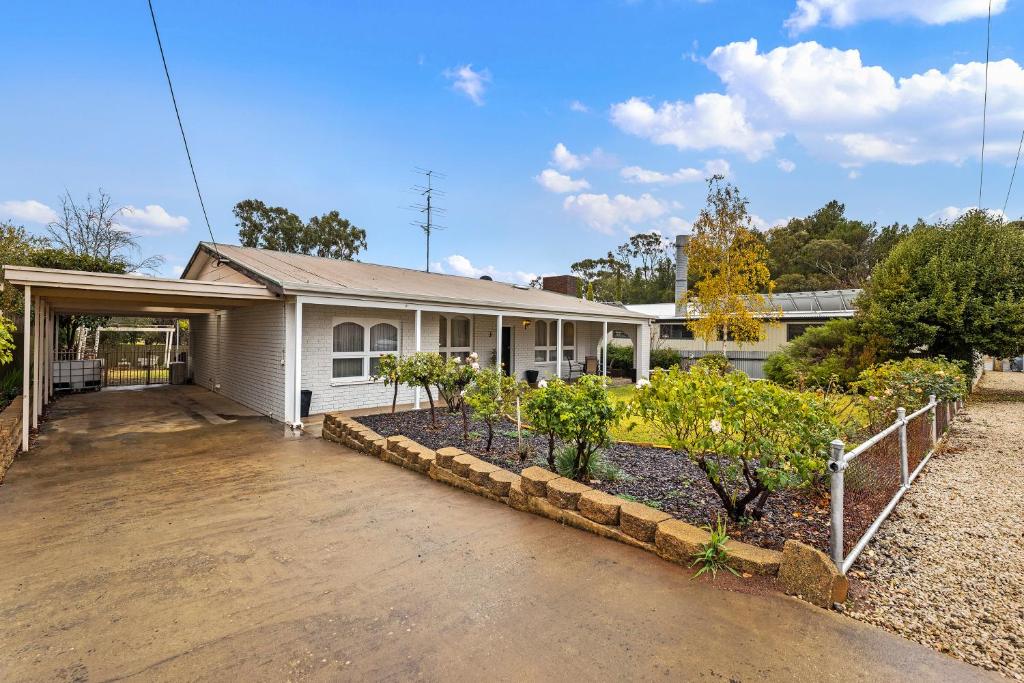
{"x":168,"y":534}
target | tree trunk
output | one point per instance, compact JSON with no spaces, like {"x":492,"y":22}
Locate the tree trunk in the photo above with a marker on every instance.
{"x":430,"y":397}
{"x":551,"y":451}
{"x":490,"y":436}
{"x":394,"y":398}
{"x":465,"y":422}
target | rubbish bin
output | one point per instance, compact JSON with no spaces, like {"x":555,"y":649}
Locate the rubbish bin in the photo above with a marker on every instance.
{"x":177,"y":373}
{"x":531,"y":376}
{"x":307,"y":398}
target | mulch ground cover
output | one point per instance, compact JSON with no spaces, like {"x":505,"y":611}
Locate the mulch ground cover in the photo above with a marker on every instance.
{"x":654,"y":476}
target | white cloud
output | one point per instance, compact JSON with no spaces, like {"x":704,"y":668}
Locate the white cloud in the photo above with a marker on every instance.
{"x":604,"y":213}
{"x":839,"y":13}
{"x":785,"y":165}
{"x":678,"y":226}
{"x":951,"y":213}
{"x":712,"y":120}
{"x":578,"y":106}
{"x":460,"y":265}
{"x":643,"y":176}
{"x":470,"y":83}
{"x":853,"y":174}
{"x":152,"y":220}
{"x":839,"y":108}
{"x":553,"y":181}
{"x":27,"y":210}
{"x":566,"y":160}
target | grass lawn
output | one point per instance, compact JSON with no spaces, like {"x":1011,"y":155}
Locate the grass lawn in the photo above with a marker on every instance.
{"x":849,"y":409}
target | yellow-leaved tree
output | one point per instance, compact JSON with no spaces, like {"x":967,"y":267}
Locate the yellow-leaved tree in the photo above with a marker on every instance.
{"x":730,"y":265}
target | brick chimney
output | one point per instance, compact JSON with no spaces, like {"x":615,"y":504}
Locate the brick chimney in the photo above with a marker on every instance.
{"x":563,"y":284}
{"x":682,"y":271}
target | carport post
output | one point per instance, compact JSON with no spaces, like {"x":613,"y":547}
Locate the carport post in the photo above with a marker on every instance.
{"x":297,"y":403}
{"x":604,"y":349}
{"x":26,"y":345}
{"x":46,"y":357}
{"x":558,"y":351}
{"x":500,"y":321}
{"x":36,"y":335}
{"x":419,"y":347}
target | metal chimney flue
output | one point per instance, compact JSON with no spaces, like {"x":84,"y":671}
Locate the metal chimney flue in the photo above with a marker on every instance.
{"x":682,"y":271}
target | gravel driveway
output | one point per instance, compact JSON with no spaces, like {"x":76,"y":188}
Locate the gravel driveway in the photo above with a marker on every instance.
{"x":945,"y":569}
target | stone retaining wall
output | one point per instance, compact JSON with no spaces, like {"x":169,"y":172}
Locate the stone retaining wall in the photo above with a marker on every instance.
{"x":10,"y":435}
{"x":548,"y":494}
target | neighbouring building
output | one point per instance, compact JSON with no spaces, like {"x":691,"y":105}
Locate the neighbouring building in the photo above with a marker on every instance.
{"x":797,"y":312}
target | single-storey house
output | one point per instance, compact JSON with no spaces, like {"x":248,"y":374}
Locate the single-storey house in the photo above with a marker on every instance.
{"x":797,"y":311}
{"x":266,"y":325}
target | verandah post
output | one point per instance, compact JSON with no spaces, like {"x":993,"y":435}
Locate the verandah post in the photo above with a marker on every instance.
{"x":836,"y":465}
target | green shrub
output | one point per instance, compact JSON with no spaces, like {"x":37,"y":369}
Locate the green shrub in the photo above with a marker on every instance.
{"x":423,"y":369}
{"x":543,"y":409}
{"x":750,"y":438}
{"x":389,"y":370}
{"x":665,"y":358}
{"x":829,"y":354}
{"x":597,"y":466}
{"x":908,"y":384}
{"x":715,"y":362}
{"x":491,"y":396}
{"x":456,"y":374}
{"x":620,"y":357}
{"x":713,"y":555}
{"x":584,"y":417}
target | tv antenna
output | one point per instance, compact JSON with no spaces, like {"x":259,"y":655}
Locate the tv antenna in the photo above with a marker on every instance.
{"x":428,"y":208}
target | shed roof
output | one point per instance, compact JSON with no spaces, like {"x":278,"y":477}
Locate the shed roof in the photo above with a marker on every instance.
{"x":830,"y":303}
{"x":313,"y":275}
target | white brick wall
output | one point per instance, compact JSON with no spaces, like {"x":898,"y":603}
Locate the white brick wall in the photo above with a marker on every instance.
{"x":242,"y":350}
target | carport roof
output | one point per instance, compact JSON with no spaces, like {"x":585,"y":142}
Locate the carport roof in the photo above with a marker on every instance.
{"x":71,"y":291}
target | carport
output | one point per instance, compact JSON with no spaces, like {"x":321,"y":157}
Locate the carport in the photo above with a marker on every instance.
{"x":50,"y":293}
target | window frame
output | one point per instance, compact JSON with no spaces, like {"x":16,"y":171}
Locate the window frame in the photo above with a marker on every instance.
{"x":550,"y":349}
{"x":792,"y":326}
{"x":449,"y":351}
{"x":366,"y":354}
{"x":687,"y":333}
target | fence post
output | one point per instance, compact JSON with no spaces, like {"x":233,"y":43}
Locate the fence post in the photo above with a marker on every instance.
{"x":931,"y":412}
{"x":901,"y":417}
{"x":836,"y":465}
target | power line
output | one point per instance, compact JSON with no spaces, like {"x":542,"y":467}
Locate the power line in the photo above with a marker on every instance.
{"x":1014,"y":174}
{"x":181,"y":127}
{"x":984,"y":108}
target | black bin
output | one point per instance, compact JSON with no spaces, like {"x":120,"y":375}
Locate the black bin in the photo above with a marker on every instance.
{"x":307,"y":398}
{"x":531,"y":376}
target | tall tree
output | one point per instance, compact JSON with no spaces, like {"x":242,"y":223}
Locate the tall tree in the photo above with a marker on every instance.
{"x":952,"y":289}
{"x":89,"y":229}
{"x":639,"y":271}
{"x":730,"y":262}
{"x":827,"y":250}
{"x":277,"y":228}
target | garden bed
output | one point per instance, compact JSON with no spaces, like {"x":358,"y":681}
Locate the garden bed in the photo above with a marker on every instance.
{"x":654,"y":476}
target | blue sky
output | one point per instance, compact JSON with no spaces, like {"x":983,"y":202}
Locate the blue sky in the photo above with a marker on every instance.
{"x":562,"y":127}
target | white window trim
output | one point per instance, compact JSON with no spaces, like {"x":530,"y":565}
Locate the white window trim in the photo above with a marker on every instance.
{"x":552,"y":346}
{"x":446,"y":320}
{"x":366,"y":355}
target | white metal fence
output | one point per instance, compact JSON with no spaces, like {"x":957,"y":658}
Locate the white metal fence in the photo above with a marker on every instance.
{"x":870,"y":480}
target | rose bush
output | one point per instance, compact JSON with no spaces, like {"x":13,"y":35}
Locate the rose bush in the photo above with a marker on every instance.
{"x":907,"y":384}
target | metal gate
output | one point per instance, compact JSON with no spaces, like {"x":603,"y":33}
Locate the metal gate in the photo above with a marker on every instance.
{"x":135,"y":364}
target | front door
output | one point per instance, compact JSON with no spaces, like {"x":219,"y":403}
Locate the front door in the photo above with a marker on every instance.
{"x":506,"y":351}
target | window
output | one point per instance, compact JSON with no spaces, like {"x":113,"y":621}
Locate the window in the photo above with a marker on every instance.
{"x":794,"y":330}
{"x":545,"y":341}
{"x":454,"y":336}
{"x":357,"y":348}
{"x":674,"y":331}
{"x":731,"y":335}
{"x":621,"y":334}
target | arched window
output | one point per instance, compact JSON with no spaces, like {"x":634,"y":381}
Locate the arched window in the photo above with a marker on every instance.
{"x":358,"y":347}
{"x":454,"y":336}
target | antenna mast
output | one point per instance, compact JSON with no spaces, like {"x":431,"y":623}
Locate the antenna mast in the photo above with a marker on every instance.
{"x":427,"y":207}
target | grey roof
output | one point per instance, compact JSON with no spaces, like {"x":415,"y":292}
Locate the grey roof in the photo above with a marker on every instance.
{"x":300,"y":274}
{"x":830,"y":303}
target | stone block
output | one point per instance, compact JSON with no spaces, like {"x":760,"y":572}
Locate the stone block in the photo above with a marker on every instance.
{"x":394,"y":442}
{"x":535,"y":481}
{"x":462,"y":463}
{"x":479,"y":473}
{"x":677,"y":541}
{"x":600,"y":507}
{"x":640,"y":521}
{"x":744,"y":557}
{"x":517,"y":497}
{"x":810,"y":574}
{"x":501,"y":482}
{"x":565,"y":493}
{"x":446,"y":455}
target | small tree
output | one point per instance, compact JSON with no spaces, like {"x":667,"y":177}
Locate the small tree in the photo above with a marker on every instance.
{"x":544,"y":407}
{"x":423,"y":369}
{"x":587,"y":414}
{"x":750,"y":438}
{"x":389,"y":370}
{"x":730,"y":264}
{"x":490,"y":396}
{"x":456,"y":375}
{"x":908,"y":384}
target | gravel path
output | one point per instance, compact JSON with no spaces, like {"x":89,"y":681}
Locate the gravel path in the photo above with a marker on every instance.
{"x":946,"y":568}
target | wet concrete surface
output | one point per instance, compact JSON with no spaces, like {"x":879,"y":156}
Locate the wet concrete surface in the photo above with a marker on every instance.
{"x":169,"y":534}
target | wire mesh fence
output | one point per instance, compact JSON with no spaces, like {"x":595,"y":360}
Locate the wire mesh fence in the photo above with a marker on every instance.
{"x":868,"y":482}
{"x":116,"y":365}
